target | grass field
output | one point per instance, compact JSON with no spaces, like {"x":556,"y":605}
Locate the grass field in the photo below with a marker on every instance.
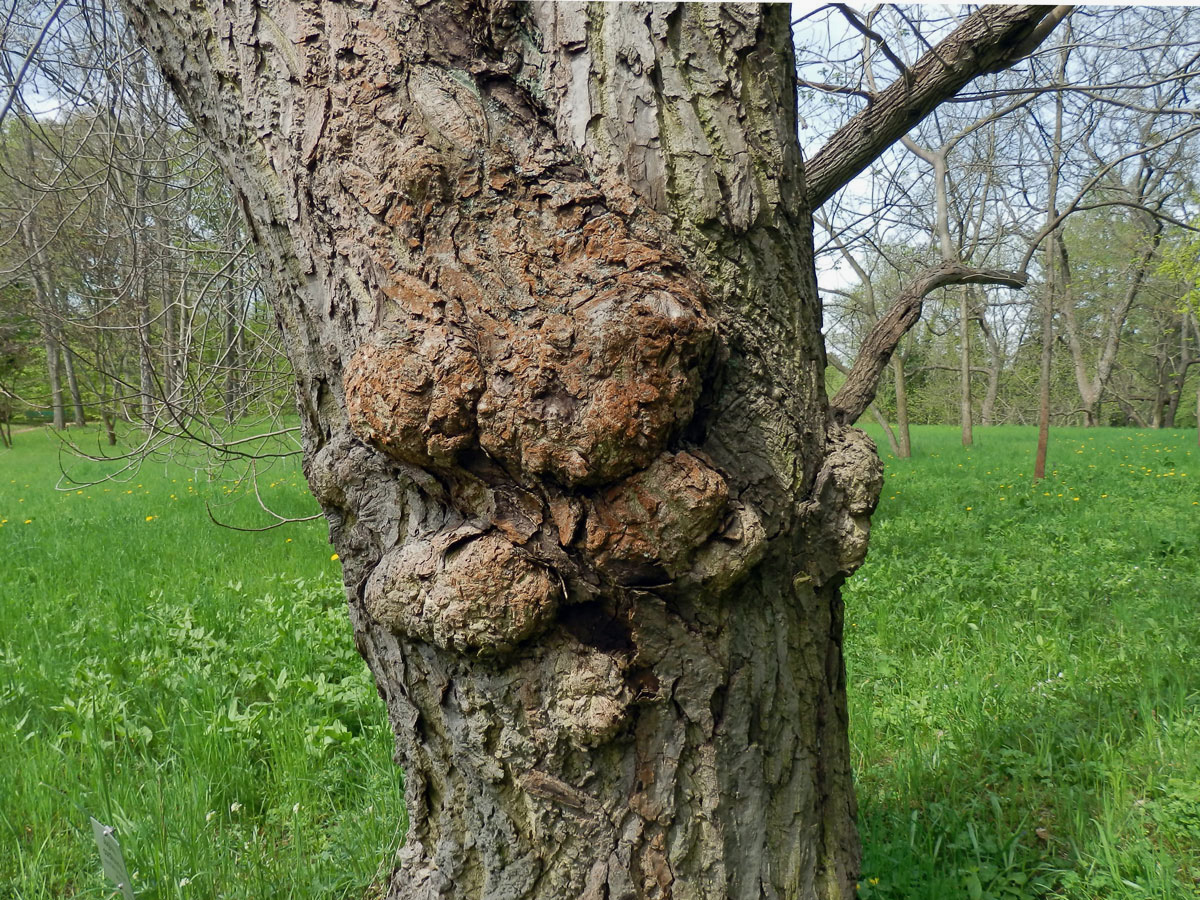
{"x":1024,"y":669}
{"x":194,"y":686}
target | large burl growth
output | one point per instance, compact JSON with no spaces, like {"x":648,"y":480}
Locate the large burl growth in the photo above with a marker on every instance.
{"x":545,"y":376}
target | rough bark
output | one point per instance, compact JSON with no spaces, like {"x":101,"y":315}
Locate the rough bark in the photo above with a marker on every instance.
{"x":859,"y":388}
{"x":545,"y":278}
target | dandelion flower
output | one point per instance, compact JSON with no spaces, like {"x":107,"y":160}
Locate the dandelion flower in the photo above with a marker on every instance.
{"x":149,"y":518}
{"x":335,"y":557}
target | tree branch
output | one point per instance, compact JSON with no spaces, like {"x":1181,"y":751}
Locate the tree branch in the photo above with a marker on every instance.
{"x":989,"y":40}
{"x":859,"y":389}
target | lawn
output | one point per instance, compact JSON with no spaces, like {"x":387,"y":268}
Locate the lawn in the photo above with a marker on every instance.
{"x":1024,"y":669}
{"x":1024,"y":665}
{"x":195,"y":687}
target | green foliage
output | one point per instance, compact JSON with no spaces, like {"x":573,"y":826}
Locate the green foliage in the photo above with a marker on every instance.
{"x":1024,"y":666}
{"x":196,"y":687}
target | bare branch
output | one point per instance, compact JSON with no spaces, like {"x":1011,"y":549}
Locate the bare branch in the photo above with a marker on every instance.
{"x":858,"y":391}
{"x":991,"y":39}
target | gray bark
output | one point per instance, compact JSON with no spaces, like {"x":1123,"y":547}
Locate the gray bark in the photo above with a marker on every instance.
{"x":987,"y":413}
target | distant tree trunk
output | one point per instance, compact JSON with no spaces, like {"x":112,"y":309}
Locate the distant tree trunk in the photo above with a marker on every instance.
{"x":545,"y":278}
{"x":887,"y":430}
{"x":964,"y":321}
{"x":68,"y":365}
{"x":44,"y":306}
{"x":1187,"y":359}
{"x":987,"y":413}
{"x":905,"y":448}
{"x":1044,"y":370}
{"x":108,"y":412}
{"x":1057,"y":273}
{"x":232,"y":383}
{"x":54,"y":379}
{"x":1092,"y":387}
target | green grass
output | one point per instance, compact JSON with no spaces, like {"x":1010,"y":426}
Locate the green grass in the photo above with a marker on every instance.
{"x":1024,"y":664}
{"x":1024,"y":671}
{"x":194,"y":686}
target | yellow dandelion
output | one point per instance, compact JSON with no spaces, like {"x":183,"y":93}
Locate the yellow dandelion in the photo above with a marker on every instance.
{"x":288,"y":541}
{"x":968,"y":509}
{"x":335,"y":557}
{"x":29,"y":521}
{"x":1074,"y":498}
{"x":1102,"y":496}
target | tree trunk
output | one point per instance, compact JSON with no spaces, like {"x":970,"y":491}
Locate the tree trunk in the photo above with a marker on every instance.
{"x":545,"y":277}
{"x":987,"y":413}
{"x":54,"y":379}
{"x":1044,"y":371}
{"x":68,"y":364}
{"x":887,"y":430}
{"x":964,"y":367}
{"x":1186,"y":361}
{"x":901,"y":407}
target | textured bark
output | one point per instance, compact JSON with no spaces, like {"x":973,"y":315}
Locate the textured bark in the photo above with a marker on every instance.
{"x":545,"y":278}
{"x":859,"y":388}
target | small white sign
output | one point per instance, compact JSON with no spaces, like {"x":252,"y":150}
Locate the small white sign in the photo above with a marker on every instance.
{"x":111,"y":858}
